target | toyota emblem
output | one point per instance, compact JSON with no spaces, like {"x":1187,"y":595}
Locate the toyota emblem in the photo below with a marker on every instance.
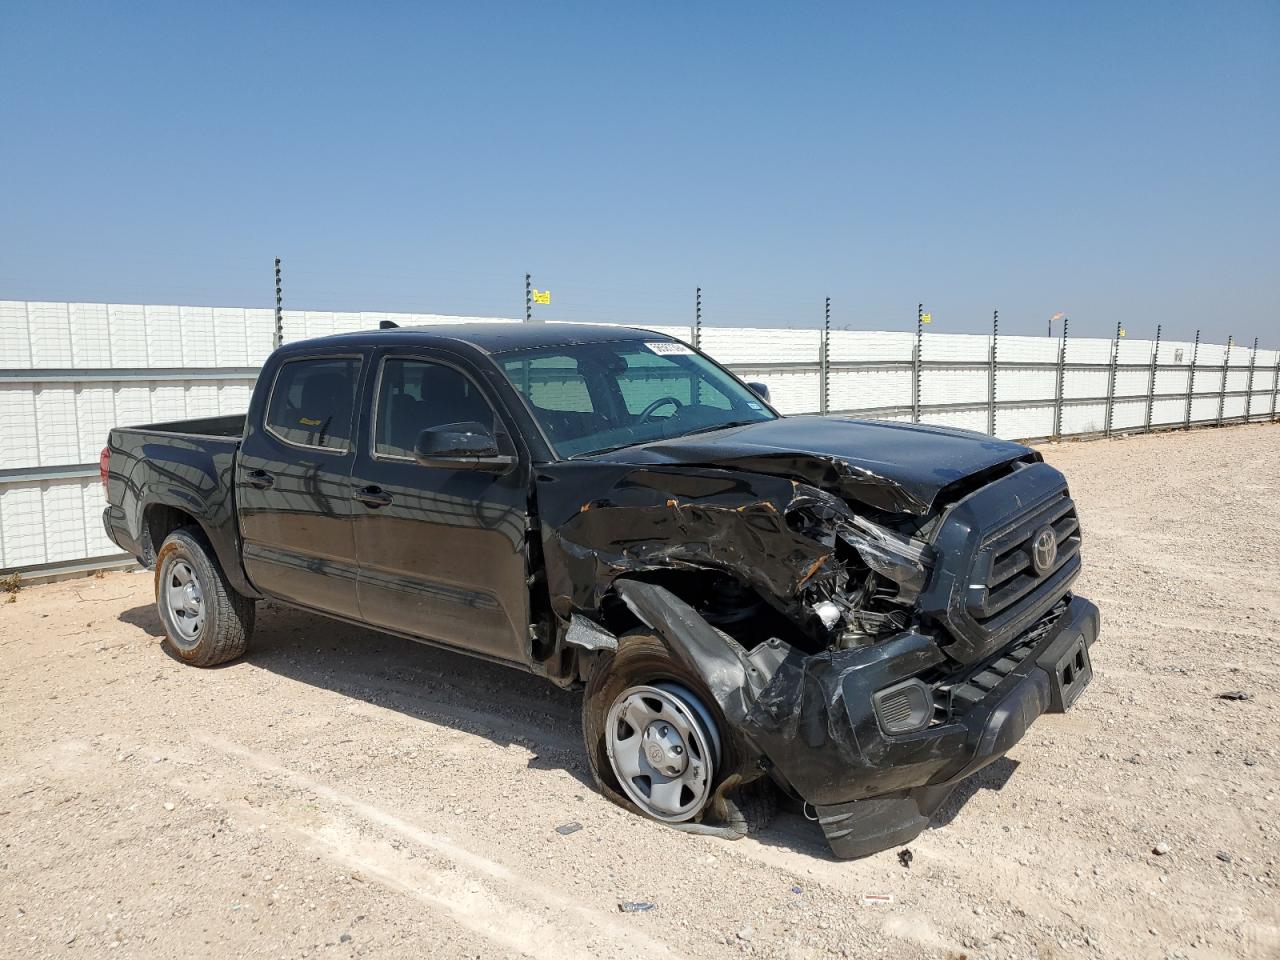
{"x":1044,"y":550}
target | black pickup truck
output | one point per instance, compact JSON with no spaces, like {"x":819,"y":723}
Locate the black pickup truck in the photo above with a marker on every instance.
{"x":858,"y":614}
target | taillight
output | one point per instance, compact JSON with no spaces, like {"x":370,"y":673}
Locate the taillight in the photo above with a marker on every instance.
{"x":104,"y":464}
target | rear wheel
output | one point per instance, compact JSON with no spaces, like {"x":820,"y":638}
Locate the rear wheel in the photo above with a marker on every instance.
{"x":205,"y":621}
{"x":653,"y":732}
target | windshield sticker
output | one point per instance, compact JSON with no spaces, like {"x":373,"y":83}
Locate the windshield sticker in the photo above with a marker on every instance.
{"x":753,"y":405}
{"x":666,"y":348}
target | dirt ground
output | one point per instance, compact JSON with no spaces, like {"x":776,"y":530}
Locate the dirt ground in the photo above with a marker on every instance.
{"x":342,"y":793}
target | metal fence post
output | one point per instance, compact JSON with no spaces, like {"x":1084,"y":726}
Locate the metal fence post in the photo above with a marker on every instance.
{"x":528,"y":298}
{"x":1222,"y":391}
{"x":1111,"y":381}
{"x":1151,"y":381}
{"x":1275,"y":385}
{"x":991,"y":379}
{"x":1062,"y":370}
{"x":915,"y":364}
{"x":824,"y":363}
{"x":1248,"y":392}
{"x":1191,"y":383}
{"x":279,"y":307}
{"x":697,"y":318}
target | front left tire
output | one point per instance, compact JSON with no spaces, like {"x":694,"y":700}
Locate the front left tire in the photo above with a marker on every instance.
{"x":653,"y":733}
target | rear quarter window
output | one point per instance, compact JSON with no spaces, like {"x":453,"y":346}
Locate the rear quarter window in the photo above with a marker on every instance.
{"x":313,"y":402}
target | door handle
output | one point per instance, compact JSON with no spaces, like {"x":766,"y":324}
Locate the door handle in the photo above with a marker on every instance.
{"x":373,"y":497}
{"x":260,"y":479}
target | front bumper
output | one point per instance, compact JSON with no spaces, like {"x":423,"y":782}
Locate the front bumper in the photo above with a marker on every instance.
{"x":812,"y":722}
{"x":872,"y":790}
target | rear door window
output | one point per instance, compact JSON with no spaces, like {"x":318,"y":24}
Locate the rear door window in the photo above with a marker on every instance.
{"x":313,"y":402}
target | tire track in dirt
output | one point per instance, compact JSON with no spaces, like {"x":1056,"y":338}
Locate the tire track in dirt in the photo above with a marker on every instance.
{"x":491,"y":903}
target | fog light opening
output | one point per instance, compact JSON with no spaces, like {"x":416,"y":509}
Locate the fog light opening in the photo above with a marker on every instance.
{"x":904,"y":707}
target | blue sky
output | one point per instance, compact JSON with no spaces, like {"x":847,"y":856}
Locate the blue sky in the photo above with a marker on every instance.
{"x":1115,"y":161}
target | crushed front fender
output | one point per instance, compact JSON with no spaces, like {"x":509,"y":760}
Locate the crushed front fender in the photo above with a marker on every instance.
{"x":603,"y":521}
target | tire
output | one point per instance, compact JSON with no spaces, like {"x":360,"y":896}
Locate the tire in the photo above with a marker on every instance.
{"x":210,"y":623}
{"x":752,"y":806}
{"x":642,"y":660}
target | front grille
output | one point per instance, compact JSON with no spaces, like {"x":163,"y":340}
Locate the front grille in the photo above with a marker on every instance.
{"x":1010,"y":575}
{"x":986,"y":588}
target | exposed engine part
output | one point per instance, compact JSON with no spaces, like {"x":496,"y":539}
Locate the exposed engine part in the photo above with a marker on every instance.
{"x":874,"y":579}
{"x":869,"y":624}
{"x":828,"y":612}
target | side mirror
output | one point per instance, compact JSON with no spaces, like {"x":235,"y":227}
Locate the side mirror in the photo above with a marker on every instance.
{"x":761,"y":390}
{"x":461,"y":446}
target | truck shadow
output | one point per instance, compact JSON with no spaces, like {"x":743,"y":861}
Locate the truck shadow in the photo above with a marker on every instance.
{"x":991,"y":777}
{"x":503,"y":705}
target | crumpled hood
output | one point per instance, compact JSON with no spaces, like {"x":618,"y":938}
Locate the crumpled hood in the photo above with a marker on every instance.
{"x":898,"y":467}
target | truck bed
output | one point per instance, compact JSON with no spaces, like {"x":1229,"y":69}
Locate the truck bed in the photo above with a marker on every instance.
{"x":180,"y":465}
{"x":230,"y":427}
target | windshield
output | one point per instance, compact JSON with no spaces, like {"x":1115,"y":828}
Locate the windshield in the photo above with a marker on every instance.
{"x":592,"y":397}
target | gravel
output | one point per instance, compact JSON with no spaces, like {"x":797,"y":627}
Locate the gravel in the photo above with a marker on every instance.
{"x":340,"y":793}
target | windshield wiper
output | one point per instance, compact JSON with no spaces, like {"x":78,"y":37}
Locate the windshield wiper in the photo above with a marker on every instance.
{"x":616,"y":446}
{"x":721,"y":426}
{"x":674,"y":436}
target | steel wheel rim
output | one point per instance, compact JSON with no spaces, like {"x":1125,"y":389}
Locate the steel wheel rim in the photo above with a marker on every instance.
{"x":184,"y":599}
{"x":663,"y":747}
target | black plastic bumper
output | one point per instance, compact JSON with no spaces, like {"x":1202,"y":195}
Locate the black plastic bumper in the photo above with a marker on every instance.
{"x":874,"y":790}
{"x":814,"y":717}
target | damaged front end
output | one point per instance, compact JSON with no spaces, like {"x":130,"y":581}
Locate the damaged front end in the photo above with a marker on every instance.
{"x":866,"y":659}
{"x":757,"y":555}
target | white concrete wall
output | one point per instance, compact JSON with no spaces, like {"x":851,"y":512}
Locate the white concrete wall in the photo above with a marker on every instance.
{"x":71,"y":371}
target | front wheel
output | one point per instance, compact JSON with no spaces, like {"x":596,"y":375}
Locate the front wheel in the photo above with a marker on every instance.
{"x":205,"y":621}
{"x":652,"y":732}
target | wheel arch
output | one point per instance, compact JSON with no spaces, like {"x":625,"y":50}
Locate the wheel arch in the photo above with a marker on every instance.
{"x":166,"y":512}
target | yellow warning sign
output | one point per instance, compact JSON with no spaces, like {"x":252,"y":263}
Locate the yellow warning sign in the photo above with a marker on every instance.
{"x":926,"y":318}
{"x":542,"y":296}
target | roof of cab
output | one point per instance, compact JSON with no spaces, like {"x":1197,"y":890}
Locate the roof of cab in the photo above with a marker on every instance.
{"x":488,"y":337}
